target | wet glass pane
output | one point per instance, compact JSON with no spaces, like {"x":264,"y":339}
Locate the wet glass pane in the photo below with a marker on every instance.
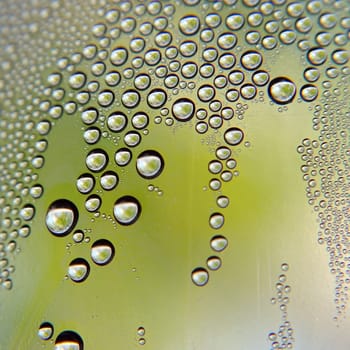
{"x":174,"y":174}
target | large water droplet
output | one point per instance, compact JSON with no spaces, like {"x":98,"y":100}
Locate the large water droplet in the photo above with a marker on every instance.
{"x":69,"y":340}
{"x":102,"y":252}
{"x":282,"y":90}
{"x":234,"y":136}
{"x":183,"y":109}
{"x":78,"y":270}
{"x":61,"y":217}
{"x":149,"y":164}
{"x":200,"y":276}
{"x":127,"y":210}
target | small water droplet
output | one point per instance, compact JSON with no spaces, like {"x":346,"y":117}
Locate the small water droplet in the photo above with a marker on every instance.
{"x":45,"y":331}
{"x":214,"y":263}
{"x":218,"y":243}
{"x":102,"y":252}
{"x":78,"y":270}
{"x":200,"y":276}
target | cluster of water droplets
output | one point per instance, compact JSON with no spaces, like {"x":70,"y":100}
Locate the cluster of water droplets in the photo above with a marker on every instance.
{"x":66,"y":340}
{"x":141,"y":331}
{"x":325,"y":170}
{"x":284,"y":337}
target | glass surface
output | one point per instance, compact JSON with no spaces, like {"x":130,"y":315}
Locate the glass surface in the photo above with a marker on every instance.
{"x":174,"y":174}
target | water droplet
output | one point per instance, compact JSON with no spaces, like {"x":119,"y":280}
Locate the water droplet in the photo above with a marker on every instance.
{"x":188,"y":48}
{"x":149,"y":164}
{"x":189,"y":70}
{"x":317,"y":56}
{"x":92,"y":135}
{"x":102,"y":252}
{"x":311,"y":74}
{"x":252,"y":37}
{"x":140,"y":120}
{"x":236,"y":77}
{"x":77,"y":80}
{"x":141,"y":331}
{"x":215,"y":167}
{"x":93,"y":203}
{"x":45,"y":331}
{"x":78,"y":270}
{"x":303,"y":25}
{"x":109,"y":180}
{"x":222,"y":201}
{"x":216,"y":221}
{"x":251,"y":60}
{"x":132,"y":138}
{"x":200,"y":276}
{"x":78,"y":236}
{"x":340,"y":56}
{"x":27,"y":212}
{"x":105,"y":98}
{"x":61,"y":217}
{"x":123,"y":157}
{"x":69,"y":340}
{"x":282,"y":90}
{"x":309,"y":92}
{"x":287,"y":36}
{"x":112,"y":78}
{"x":227,"y":41}
{"x":248,"y":91}
{"x":328,"y":20}
{"x":214,"y":263}
{"x":156,"y":98}
{"x":119,"y":56}
{"x":127,"y":210}
{"x":233,"y":136}
{"x":235,"y":21}
{"x":189,"y":25}
{"x":96,"y":160}
{"x":85,"y":183}
{"x":206,"y":93}
{"x":218,"y":243}
{"x":215,"y":184}
{"x":183,"y":109}
{"x":260,"y":78}
{"x":117,"y":122}
{"x":285,"y":267}
{"x":130,"y":98}
{"x":89,"y":116}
